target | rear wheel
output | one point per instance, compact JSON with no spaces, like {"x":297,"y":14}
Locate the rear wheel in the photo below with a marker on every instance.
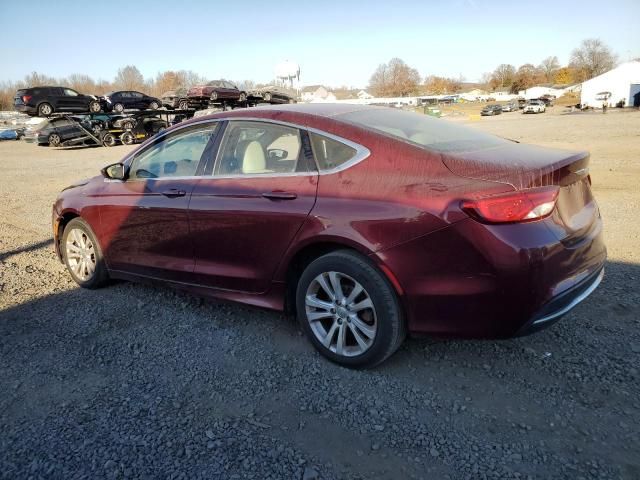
{"x":127,"y":138}
{"x":184,"y":105}
{"x":82,"y":255}
{"x":153,"y":106}
{"x":44,"y":110}
{"x":349,"y":311}
{"x":127,"y":125}
{"x":108,"y":140}
{"x":54,"y":140}
{"x":118,"y":107}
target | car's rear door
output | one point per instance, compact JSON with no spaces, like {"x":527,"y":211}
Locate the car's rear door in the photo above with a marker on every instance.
{"x":144,"y":220}
{"x":247,"y":209}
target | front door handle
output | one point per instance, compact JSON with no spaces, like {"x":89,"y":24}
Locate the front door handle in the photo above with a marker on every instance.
{"x":278,"y":195}
{"x":174,"y":192}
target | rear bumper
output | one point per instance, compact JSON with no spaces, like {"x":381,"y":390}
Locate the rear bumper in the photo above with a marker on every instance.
{"x":26,"y":109}
{"x":493,"y":281}
{"x":563,"y":303}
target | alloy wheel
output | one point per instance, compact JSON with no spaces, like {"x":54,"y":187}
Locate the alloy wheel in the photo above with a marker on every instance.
{"x":341,"y":314}
{"x":54,"y":139}
{"x":81,"y":254}
{"x":45,"y":109}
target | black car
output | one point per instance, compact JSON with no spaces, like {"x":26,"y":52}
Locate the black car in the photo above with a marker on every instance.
{"x":129,"y":99}
{"x":270,"y":94}
{"x":491,"y":110}
{"x":43,"y":101}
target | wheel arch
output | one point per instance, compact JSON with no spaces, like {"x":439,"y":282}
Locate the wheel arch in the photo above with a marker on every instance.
{"x":303,"y":256}
{"x":59,"y":225}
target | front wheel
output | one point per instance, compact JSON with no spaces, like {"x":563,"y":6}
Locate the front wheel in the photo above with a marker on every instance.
{"x":153,"y":106}
{"x":349,"y":310}
{"x":118,"y":107}
{"x":184,"y":105}
{"x":82,"y":255}
{"x":94,"y":107}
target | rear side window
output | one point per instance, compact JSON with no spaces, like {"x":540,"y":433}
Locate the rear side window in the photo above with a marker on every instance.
{"x":330,"y":153}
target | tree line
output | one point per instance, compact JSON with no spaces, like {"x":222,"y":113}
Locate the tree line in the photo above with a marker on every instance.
{"x":591,"y":58}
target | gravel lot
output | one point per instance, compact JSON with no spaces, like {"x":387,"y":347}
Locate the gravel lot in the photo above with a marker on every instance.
{"x":135,"y":381}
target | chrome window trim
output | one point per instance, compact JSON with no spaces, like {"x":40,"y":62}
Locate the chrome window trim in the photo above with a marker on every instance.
{"x":361,"y":154}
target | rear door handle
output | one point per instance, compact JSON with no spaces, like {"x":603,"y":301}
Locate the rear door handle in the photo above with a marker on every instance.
{"x":174,"y":192}
{"x":276,"y":195}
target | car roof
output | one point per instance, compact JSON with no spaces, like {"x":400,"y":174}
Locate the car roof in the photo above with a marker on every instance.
{"x":315,"y":109}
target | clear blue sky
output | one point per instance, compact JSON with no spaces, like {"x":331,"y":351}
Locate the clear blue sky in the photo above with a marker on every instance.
{"x":335,"y":42}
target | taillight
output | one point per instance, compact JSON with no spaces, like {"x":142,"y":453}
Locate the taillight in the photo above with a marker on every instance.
{"x":522,"y":206}
{"x":26,"y":98}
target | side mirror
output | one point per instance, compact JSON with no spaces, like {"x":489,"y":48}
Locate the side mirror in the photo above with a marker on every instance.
{"x":276,"y":154}
{"x":116,"y":171}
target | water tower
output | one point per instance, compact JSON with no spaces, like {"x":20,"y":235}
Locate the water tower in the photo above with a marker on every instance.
{"x":288,"y":75}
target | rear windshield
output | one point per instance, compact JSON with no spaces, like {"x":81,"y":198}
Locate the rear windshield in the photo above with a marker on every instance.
{"x":423,"y":130}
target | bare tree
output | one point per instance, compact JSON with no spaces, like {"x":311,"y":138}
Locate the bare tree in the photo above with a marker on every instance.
{"x":394,"y":79}
{"x":129,"y":78}
{"x":592,"y":58}
{"x":80,"y":82}
{"x":35,"y":79}
{"x":503,"y":76}
{"x":550,"y":66}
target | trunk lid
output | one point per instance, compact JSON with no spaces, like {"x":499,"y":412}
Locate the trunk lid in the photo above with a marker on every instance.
{"x":528,"y":166}
{"x":199,"y":91}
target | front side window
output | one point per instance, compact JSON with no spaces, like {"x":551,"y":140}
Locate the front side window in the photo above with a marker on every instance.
{"x":175,"y":155}
{"x":256,"y":148}
{"x":329,"y":153}
{"x":70,"y":93}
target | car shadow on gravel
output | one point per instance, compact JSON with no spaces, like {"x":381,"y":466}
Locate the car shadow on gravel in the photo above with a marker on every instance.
{"x":28,"y":248}
{"x":93,"y":381}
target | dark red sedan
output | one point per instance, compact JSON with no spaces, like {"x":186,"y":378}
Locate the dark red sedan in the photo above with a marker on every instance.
{"x":366,"y":222}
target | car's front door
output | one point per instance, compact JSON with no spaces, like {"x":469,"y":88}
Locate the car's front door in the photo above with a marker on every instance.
{"x":245,"y":212}
{"x":74,"y":101}
{"x":144,"y":219}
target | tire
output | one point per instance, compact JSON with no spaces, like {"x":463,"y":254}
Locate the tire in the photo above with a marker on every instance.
{"x":45,"y":109}
{"x":242,"y":98}
{"x":381,"y":326}
{"x":94,"y":106}
{"x":153,"y":106}
{"x":267,"y":97}
{"x":128,"y":125}
{"x":214,"y":96}
{"x":118,"y":107}
{"x":54,"y":140}
{"x":109,"y":140}
{"x":183,"y":105}
{"x":79,"y":245}
{"x":127,"y":138}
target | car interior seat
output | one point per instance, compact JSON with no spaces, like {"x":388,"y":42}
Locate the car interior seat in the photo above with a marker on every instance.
{"x":254,"y":160}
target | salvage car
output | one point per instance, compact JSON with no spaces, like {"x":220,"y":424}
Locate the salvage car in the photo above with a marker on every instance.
{"x":364,"y":222}
{"x":175,"y":99}
{"x":510,"y":107}
{"x":60,"y":131}
{"x":269,"y":94}
{"x":44,"y":101}
{"x":491,"y":110}
{"x":128,"y":99}
{"x":534,"y":106}
{"x":215,"y":92}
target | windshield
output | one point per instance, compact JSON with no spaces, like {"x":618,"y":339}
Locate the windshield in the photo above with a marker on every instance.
{"x":429,"y":132}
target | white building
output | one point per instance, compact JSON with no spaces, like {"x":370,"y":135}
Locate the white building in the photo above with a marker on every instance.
{"x":622,"y":84}
{"x":317,"y":94}
{"x":539,"y":91}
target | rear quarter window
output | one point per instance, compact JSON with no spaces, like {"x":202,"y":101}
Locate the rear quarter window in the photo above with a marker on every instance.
{"x":330,"y":153}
